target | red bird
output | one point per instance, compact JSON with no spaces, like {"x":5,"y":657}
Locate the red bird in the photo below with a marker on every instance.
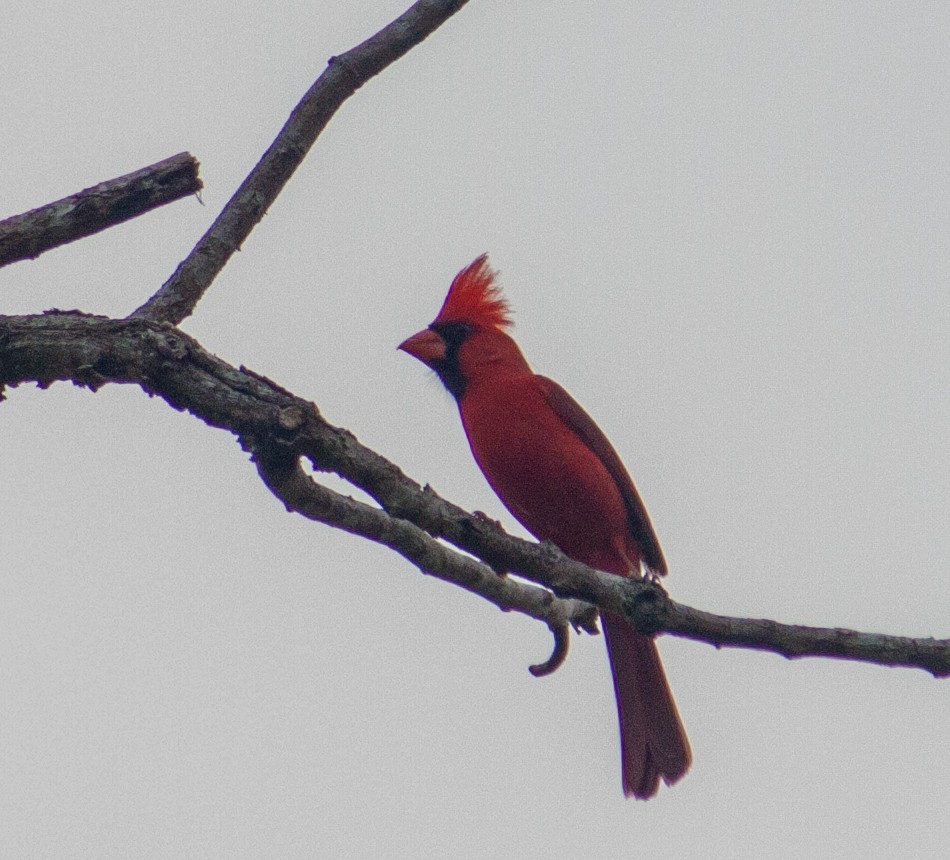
{"x":554,"y":469}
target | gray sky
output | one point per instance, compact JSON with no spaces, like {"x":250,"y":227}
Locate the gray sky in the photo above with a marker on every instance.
{"x":723,"y":227}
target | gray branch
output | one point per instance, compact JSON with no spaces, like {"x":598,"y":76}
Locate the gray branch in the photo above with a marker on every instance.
{"x":344,"y":75}
{"x":280,"y":470}
{"x":26,"y":236}
{"x":280,"y":428}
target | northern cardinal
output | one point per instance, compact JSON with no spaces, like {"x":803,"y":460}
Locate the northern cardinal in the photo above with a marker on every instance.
{"x":554,"y":469}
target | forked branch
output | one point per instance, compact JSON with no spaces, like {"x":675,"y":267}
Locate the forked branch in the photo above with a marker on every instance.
{"x":344,"y":75}
{"x":280,"y":429}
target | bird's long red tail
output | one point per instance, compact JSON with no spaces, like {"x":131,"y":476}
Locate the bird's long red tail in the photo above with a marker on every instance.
{"x":653,"y":742}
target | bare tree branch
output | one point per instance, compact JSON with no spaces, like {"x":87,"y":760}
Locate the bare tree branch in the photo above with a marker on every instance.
{"x":279,"y":427}
{"x":26,"y":236}
{"x":344,"y":75}
{"x":281,"y":472}
{"x":793,"y":641}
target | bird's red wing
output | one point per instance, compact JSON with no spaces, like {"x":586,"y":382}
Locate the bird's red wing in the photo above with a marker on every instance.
{"x":574,"y":416}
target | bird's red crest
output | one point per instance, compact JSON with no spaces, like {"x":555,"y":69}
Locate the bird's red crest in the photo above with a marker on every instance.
{"x":474,"y":297}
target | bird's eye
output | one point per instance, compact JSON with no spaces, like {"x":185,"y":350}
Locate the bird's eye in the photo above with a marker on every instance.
{"x":453,"y":333}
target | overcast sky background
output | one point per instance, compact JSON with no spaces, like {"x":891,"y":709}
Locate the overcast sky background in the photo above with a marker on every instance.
{"x":723,"y":227}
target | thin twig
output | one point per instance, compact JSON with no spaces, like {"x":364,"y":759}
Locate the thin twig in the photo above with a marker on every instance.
{"x":795,"y":641}
{"x":343,"y":76}
{"x":26,"y":236}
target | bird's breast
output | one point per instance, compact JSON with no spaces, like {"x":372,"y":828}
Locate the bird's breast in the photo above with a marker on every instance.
{"x":548,"y":478}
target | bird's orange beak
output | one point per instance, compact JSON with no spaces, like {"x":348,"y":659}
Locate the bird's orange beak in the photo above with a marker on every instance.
{"x":425,"y":345}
